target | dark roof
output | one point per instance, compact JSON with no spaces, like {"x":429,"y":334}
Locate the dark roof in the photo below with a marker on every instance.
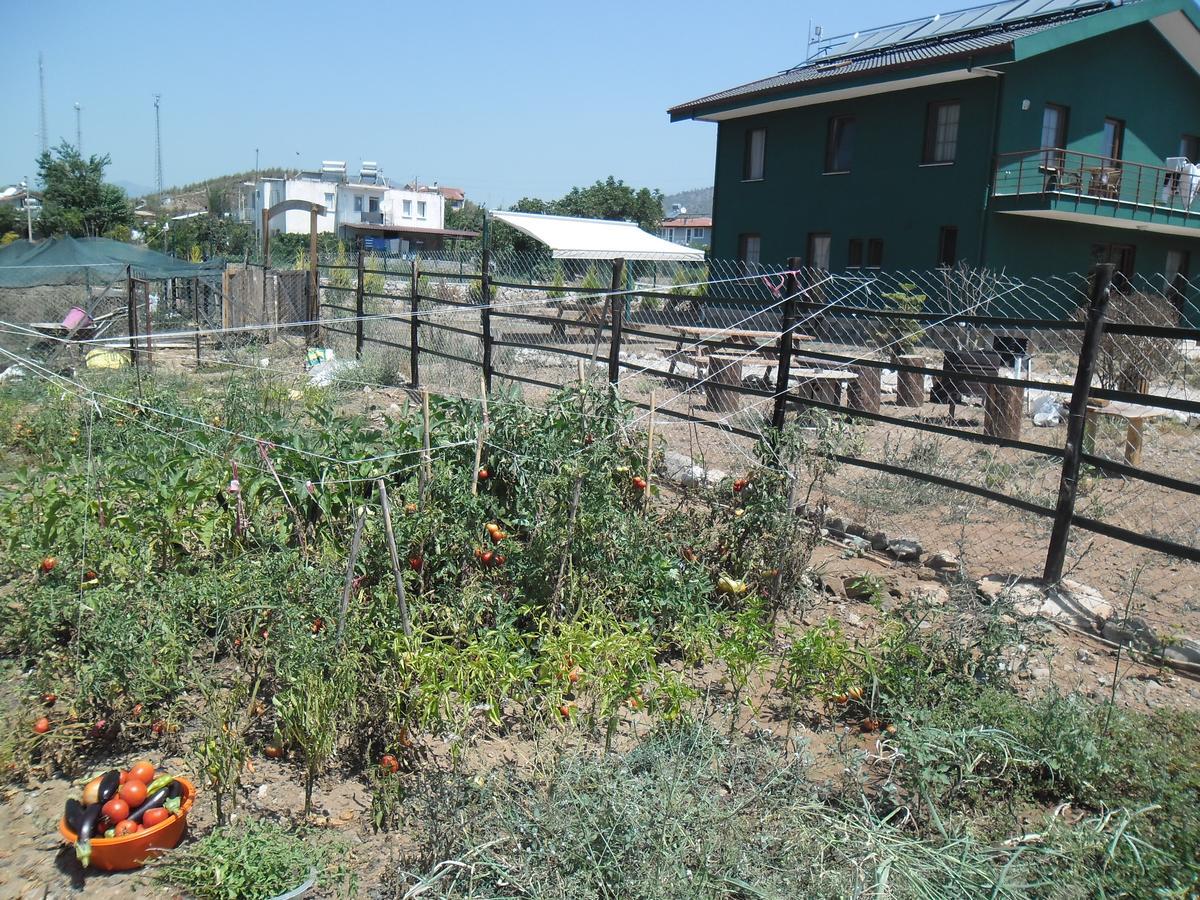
{"x":909,"y":43}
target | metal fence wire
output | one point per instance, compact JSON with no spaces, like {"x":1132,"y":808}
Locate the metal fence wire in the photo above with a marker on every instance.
{"x":952,"y":388}
{"x":954,"y":385}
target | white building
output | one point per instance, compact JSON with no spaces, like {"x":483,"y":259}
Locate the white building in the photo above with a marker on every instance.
{"x":684,"y":229}
{"x":398,"y":219}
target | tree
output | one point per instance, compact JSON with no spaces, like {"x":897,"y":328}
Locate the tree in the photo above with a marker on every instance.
{"x":613,"y":199}
{"x":75,"y":198}
{"x":11,"y":219}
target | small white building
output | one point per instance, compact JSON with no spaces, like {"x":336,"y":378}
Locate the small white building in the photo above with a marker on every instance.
{"x":691,"y":231}
{"x":403,"y":218}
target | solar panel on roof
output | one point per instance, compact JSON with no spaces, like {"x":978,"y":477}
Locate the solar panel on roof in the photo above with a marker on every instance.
{"x":1006,"y":12}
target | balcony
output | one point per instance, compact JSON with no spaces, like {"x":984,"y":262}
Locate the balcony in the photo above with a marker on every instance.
{"x":1065,"y":184}
{"x":372,"y":218}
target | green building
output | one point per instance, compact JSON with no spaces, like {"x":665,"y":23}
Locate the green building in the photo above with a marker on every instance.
{"x":1032,"y":136}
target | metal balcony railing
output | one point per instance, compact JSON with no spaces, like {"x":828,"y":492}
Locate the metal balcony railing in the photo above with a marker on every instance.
{"x":372,"y":218}
{"x":1092,"y":181}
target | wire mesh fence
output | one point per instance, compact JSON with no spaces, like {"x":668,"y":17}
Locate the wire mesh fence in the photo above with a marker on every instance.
{"x":952,"y":384}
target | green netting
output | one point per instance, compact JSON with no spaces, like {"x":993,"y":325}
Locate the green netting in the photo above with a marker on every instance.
{"x":69,"y":260}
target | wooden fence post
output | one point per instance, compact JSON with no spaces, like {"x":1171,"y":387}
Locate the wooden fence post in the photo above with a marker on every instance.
{"x":485,"y":306}
{"x":791,"y":287}
{"x":314,"y":281}
{"x":359,"y":302}
{"x":1076,"y":420}
{"x":414,"y":326}
{"x":616,"y":301}
{"x":131,"y":314}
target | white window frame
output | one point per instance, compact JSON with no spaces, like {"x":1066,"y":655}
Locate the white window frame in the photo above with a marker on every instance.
{"x":422,"y":208}
{"x":406,"y":208}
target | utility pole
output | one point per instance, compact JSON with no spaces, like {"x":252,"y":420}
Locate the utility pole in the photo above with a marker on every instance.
{"x":42,"y":95}
{"x":28,"y":209}
{"x":78,"y":129}
{"x":158,"y":179}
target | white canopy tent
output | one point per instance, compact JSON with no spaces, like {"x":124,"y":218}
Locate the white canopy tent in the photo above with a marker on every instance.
{"x":572,"y":238}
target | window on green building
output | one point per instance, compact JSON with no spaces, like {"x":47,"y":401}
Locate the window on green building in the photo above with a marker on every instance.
{"x":1054,"y":134}
{"x":947,"y":246}
{"x":839,"y":144}
{"x":941,"y":132}
{"x":874,"y":253}
{"x":1112,"y":139}
{"x":1189,"y":146}
{"x":749,"y":251}
{"x":754,"y":161}
{"x":1122,"y":257}
{"x":819,"y":245}
{"x":854,"y":253}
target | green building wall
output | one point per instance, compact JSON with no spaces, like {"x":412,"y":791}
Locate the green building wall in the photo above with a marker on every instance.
{"x":1132,"y":74}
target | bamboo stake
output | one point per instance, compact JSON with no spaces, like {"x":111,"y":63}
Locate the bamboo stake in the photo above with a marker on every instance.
{"x":395,"y":557}
{"x":426,"y":474}
{"x":355,"y":543}
{"x":481,"y":437}
{"x":649,"y":453}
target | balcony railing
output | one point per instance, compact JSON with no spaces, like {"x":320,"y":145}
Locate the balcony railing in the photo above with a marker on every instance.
{"x":1091,"y":183}
{"x":372,"y":218}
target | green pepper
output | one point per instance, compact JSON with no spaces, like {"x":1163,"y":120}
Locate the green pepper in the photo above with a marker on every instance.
{"x":158,"y":784}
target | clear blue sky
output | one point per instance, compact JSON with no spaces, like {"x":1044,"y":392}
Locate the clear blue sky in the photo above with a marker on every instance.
{"x":505,"y":98}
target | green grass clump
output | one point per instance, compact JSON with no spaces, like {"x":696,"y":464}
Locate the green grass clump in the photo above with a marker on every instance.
{"x":245,"y":862}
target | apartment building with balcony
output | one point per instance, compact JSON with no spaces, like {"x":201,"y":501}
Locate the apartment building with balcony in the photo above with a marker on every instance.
{"x":1033,"y":136}
{"x":363,"y":205}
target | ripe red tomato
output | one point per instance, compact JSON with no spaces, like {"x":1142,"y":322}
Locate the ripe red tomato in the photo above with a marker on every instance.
{"x":142,"y":771}
{"x":389,"y":763}
{"x":739,"y":485}
{"x":49,"y":699}
{"x":498,"y":559}
{"x":486,"y":557}
{"x":639,"y":482}
{"x":42,"y":725}
{"x":133,"y":792}
{"x":159,"y":726}
{"x":484,"y":474}
{"x":128,"y":826}
{"x":415,"y":562}
{"x":137,"y":710}
{"x":152,"y":817}
{"x":48,"y":564}
{"x":318,"y":625}
{"x":116,"y":809}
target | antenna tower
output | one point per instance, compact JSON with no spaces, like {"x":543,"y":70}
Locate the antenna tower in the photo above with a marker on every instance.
{"x":42,"y":96}
{"x":78,"y":129}
{"x":157,"y":147}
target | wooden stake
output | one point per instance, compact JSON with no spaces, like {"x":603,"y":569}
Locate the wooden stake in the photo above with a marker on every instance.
{"x":426,"y":473}
{"x":481,"y":437}
{"x":649,"y":453}
{"x":401,"y":599}
{"x":355,"y":543}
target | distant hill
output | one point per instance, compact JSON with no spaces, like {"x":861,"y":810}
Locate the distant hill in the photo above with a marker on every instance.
{"x":132,"y":188}
{"x":697,"y":202}
{"x":195,"y":196}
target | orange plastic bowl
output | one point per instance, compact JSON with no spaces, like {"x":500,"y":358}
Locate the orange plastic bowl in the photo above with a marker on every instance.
{"x":133,"y":850}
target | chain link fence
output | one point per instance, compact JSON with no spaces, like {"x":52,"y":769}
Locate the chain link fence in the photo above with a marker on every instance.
{"x":954,"y":384}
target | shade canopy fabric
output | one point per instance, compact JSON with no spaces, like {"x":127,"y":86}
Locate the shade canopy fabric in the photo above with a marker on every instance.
{"x":67,"y":260}
{"x":572,"y":238}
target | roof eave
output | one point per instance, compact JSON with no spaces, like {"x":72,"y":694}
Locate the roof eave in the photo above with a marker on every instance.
{"x":989,"y":57}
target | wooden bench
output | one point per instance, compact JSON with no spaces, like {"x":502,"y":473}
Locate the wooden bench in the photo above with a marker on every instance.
{"x":591,"y":315}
